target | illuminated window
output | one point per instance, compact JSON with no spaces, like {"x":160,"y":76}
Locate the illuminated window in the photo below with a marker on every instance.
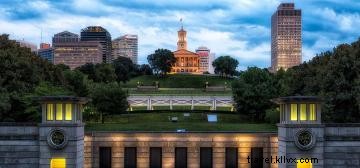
{"x":58,"y":163}
{"x":302,"y":112}
{"x":59,"y":112}
{"x":312,"y":112}
{"x":68,"y":110}
{"x":303,"y":165}
{"x":49,"y":112}
{"x":293,"y":112}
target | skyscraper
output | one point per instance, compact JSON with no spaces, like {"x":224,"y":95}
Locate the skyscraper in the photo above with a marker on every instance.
{"x":70,"y":51}
{"x":65,"y":36}
{"x":46,"y":52}
{"x":286,"y":42}
{"x":204,"y":54}
{"x":101,"y":35}
{"x":126,"y":46}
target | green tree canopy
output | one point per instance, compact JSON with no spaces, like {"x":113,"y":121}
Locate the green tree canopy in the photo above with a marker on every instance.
{"x":21,"y":71}
{"x":109,"y":99}
{"x":252,"y":93}
{"x":161,"y":61}
{"x":124,"y":69}
{"x":225,"y":65}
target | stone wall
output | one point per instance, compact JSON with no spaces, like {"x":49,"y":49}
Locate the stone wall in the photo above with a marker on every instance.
{"x":342,"y":145}
{"x":168,"y":141}
{"x":19,"y":145}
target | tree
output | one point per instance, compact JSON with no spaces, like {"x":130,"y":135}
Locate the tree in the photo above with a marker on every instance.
{"x":124,"y":69}
{"x":252,"y":93}
{"x":89,"y":70}
{"x":161,"y":61}
{"x":21,"y":71}
{"x":225,"y":66}
{"x":109,"y":99}
{"x":104,"y":73}
{"x":77,"y":82}
{"x":145,"y":69}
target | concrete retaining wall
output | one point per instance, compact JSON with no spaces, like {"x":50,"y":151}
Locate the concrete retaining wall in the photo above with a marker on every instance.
{"x":19,"y":145}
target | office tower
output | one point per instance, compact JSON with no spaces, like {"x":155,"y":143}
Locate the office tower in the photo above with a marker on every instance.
{"x":286,"y":42}
{"x":101,"y":35}
{"x":46,"y":53}
{"x":65,"y":36}
{"x":70,"y":51}
{"x":26,"y":44}
{"x":78,"y":54}
{"x":204,"y":54}
{"x":126,"y":46}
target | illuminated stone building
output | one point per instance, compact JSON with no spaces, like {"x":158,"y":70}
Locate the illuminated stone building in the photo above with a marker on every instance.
{"x":286,"y":42}
{"x":186,"y":61}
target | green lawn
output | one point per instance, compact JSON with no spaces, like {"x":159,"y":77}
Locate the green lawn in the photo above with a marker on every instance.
{"x":179,"y":81}
{"x":153,"y":121}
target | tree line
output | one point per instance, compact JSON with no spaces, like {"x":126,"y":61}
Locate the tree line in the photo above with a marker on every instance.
{"x":24,"y":76}
{"x":332,"y":75}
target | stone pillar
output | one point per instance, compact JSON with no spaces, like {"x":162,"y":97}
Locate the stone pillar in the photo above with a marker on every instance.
{"x":171,"y":103}
{"x":168,"y":157}
{"x":149,"y":103}
{"x":143,"y":156}
{"x":192,"y":103}
{"x":218,"y":157}
{"x":61,"y":133}
{"x":193,"y":157}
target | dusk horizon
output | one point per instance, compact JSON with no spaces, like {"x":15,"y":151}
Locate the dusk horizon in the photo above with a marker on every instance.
{"x":241,"y":30}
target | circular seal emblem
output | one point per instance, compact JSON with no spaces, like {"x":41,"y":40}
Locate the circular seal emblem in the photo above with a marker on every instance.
{"x":57,"y":139}
{"x":305,"y":139}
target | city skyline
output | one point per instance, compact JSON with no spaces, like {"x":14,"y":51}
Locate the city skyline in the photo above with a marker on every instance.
{"x":243,"y":26}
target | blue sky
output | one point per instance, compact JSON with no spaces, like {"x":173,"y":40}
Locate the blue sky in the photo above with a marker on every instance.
{"x":239,"y":28}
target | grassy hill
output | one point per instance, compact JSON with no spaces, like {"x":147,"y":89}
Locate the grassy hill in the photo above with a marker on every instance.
{"x":194,"y":122}
{"x":179,"y":81}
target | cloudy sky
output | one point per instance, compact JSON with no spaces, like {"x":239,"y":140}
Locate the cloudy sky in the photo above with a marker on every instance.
{"x":239,"y":28}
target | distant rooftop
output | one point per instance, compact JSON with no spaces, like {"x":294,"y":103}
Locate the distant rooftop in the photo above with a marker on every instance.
{"x":283,"y":6}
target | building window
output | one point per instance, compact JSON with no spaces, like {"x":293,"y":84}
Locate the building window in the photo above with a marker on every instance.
{"x":206,"y":157}
{"x":302,"y":112}
{"x":59,"y":112}
{"x":312,"y":112}
{"x":256,"y":157}
{"x":231,"y":157}
{"x":181,"y":157}
{"x":130,"y":157}
{"x":105,"y":157}
{"x":49,"y":111}
{"x":155,"y":157}
{"x":58,"y":163}
{"x":68,"y":111}
{"x":293,"y":112}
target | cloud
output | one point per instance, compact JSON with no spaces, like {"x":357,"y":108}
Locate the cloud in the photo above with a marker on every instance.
{"x":237,"y":28}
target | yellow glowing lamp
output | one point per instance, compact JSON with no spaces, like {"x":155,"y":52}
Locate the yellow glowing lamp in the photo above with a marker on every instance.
{"x":303,"y":165}
{"x":58,"y":163}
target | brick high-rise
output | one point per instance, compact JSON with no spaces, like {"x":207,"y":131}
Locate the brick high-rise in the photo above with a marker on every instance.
{"x":286,"y":42}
